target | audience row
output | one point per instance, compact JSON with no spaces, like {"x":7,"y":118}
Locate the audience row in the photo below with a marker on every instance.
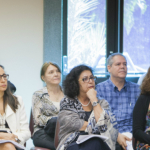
{"x":114,"y":109}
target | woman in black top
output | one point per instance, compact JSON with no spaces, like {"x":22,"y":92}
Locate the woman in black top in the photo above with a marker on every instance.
{"x":141,"y":115}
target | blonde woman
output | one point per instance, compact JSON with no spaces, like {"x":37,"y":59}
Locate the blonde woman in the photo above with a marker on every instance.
{"x":46,"y":105}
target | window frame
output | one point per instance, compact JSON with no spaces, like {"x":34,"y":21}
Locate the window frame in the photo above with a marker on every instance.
{"x":114,"y":31}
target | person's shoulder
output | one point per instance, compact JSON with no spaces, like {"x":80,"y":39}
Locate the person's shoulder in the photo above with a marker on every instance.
{"x":18,"y":96}
{"x":144,"y":96}
{"x":143,"y":100}
{"x":67,"y":100}
{"x":103,"y":83}
{"x":134,"y":88}
{"x":104,"y":104}
{"x":20,"y":100}
{"x":62,"y":100}
{"x":68,"y":103}
{"x":132,"y":84}
{"x":40,"y":91}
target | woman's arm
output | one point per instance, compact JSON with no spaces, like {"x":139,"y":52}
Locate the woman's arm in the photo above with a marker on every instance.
{"x":139,"y":119}
{"x":84,"y":126}
{"x":69,"y":122}
{"x":97,"y":109}
{"x":103,"y":122}
{"x":39,"y":118}
{"x":8,"y":136}
{"x":23,"y":133}
{"x":102,"y":116}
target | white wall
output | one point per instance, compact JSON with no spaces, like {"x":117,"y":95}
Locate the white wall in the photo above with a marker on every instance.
{"x":21,"y":45}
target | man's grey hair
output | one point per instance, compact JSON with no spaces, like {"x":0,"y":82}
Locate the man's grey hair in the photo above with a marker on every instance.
{"x":110,"y":58}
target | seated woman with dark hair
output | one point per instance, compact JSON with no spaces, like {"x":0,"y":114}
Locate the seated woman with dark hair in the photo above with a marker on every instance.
{"x":141,"y":116}
{"x":82,"y":113}
{"x":12,"y":116}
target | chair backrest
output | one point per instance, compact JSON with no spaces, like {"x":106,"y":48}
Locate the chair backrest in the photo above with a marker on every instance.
{"x":31,"y":124}
{"x":56,"y":140}
{"x":134,"y":143}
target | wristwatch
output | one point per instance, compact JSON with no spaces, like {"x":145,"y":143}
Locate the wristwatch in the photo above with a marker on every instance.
{"x":17,"y":140}
{"x":94,"y":104}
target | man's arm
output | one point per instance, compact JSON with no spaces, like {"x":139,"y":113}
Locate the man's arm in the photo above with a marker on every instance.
{"x":122,"y":140}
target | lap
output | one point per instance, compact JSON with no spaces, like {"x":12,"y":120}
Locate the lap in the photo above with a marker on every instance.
{"x":41,"y":134}
{"x":118,"y":147}
{"x":8,"y":146}
{"x":91,"y":144}
{"x":41,"y":139}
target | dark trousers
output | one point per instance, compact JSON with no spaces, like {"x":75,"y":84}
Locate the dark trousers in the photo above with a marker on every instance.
{"x":118,"y":147}
{"x":91,"y":144}
{"x":41,"y":139}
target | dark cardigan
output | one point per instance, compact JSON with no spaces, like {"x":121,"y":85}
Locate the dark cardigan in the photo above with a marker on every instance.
{"x":139,"y":119}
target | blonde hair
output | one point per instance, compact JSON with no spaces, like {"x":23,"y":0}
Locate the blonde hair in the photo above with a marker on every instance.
{"x":45,"y":66}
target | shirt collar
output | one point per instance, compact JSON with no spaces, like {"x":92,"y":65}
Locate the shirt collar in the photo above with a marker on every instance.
{"x":44,"y":91}
{"x":114,"y":87}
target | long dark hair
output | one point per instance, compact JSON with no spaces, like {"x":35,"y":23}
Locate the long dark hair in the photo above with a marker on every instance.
{"x":9,"y":98}
{"x":145,"y":86}
{"x":71,"y":83}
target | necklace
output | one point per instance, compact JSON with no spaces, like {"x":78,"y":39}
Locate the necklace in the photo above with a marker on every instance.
{"x":86,"y":104}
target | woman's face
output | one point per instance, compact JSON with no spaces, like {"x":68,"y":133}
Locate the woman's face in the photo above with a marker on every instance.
{"x":3,"y":82}
{"x":52,"y":75}
{"x":86,"y":81}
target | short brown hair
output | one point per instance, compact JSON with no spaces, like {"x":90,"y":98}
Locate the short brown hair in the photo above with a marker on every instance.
{"x":45,"y":66}
{"x":145,"y":86}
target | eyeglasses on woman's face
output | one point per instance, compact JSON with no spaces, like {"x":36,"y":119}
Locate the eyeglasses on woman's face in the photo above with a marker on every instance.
{"x":86,"y":79}
{"x":5,"y":76}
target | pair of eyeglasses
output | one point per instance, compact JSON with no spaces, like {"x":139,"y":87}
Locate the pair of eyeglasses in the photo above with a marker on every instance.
{"x":87,"y":79}
{"x":5,"y":76}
